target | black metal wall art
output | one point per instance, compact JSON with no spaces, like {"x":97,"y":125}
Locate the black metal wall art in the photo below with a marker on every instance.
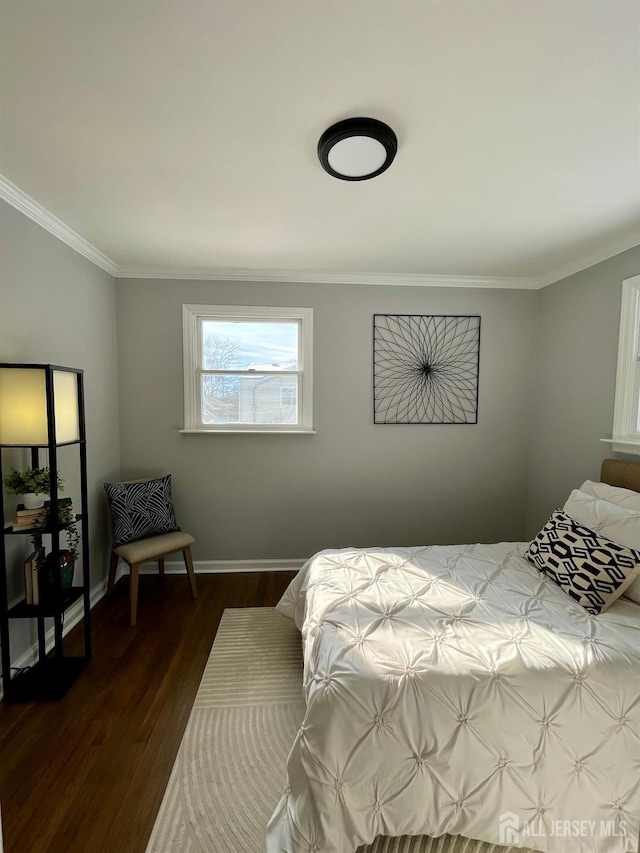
{"x":425,"y":369}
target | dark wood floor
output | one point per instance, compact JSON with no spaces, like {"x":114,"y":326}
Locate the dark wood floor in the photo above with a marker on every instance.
{"x":87,"y":774}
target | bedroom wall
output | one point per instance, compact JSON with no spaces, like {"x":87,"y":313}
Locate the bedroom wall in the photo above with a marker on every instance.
{"x":577,"y":322}
{"x":277,"y":496}
{"x":57,"y":307}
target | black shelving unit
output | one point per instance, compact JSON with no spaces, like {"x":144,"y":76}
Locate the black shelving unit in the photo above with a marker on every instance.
{"x":54,"y":672}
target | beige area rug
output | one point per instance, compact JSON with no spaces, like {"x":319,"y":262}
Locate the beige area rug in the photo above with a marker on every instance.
{"x":230,"y":769}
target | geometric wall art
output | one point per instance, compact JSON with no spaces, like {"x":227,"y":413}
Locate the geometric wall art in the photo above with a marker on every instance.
{"x":425,"y":369}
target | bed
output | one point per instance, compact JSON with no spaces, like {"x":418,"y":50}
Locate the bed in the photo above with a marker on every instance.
{"x":457,"y":689}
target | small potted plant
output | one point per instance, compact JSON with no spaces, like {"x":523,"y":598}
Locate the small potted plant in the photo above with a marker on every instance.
{"x":45,"y":562}
{"x":33,"y":484}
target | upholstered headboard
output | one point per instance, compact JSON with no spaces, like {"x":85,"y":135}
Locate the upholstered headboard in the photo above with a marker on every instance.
{"x":618,"y":473}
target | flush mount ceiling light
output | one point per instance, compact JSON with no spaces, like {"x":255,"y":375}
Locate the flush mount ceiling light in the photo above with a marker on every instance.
{"x":357,"y":149}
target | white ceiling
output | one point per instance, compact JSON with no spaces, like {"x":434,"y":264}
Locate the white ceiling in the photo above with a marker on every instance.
{"x":182,"y":134}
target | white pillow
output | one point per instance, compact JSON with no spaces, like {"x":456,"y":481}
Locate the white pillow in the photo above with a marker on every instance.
{"x":614,"y":522}
{"x":614,"y":494}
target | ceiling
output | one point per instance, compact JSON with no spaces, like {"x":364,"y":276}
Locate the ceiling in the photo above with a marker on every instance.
{"x":173,"y":134}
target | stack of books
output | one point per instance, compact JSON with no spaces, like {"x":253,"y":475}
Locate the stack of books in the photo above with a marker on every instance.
{"x":27,"y":518}
{"x":32,"y":519}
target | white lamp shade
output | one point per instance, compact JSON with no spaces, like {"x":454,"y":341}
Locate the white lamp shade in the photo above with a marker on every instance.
{"x":23,"y":406}
{"x":65,"y":392}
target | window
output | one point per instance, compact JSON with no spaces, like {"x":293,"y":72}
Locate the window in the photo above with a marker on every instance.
{"x":289,"y":395}
{"x":247,"y":369}
{"x":626,"y":416}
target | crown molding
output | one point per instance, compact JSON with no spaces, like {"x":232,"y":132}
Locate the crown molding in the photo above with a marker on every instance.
{"x":585,"y":261}
{"x":308,"y":277}
{"x":14,"y":196}
{"x":18,"y":199}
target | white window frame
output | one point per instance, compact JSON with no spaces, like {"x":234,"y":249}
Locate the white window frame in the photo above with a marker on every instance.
{"x":193,"y":317}
{"x":626,"y":435}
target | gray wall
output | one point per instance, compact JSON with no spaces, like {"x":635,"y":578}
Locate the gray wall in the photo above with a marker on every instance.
{"x":574,"y":386}
{"x":548,"y":363}
{"x":279,"y":496}
{"x":57,"y":307}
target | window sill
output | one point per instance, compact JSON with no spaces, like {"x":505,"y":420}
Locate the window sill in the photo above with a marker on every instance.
{"x":623,"y":445}
{"x":248,"y":431}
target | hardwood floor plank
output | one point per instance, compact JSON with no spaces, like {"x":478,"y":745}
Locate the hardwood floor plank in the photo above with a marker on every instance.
{"x":87,"y":774}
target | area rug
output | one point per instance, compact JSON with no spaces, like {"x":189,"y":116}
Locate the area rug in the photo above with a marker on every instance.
{"x":230,"y":769}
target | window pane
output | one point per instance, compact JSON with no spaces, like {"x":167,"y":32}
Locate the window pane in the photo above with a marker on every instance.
{"x":240,"y":345}
{"x":250,"y":399}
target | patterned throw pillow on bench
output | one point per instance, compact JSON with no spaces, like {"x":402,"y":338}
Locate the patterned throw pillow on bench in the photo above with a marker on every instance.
{"x":593,"y":570}
{"x":140,"y":510}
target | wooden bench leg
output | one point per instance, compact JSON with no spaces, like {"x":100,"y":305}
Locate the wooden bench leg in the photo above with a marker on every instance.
{"x":190,"y":572}
{"x":161,"y":565}
{"x":133,"y":592}
{"x":113,"y":566}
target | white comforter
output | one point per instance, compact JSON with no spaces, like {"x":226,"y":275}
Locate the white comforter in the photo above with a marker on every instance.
{"x":446,"y":686}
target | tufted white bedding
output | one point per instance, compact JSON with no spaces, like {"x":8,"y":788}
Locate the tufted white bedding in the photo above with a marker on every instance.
{"x":448,"y":685}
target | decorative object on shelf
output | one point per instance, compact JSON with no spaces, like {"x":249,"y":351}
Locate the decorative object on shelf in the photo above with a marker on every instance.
{"x":32,"y":500}
{"x":65,"y":570}
{"x":357,"y":149}
{"x":42,"y":408}
{"x":33,"y":484}
{"x":425,"y":369}
{"x":27,"y":518}
{"x":31,"y":589}
{"x":67,"y":522}
{"x":38,"y":519}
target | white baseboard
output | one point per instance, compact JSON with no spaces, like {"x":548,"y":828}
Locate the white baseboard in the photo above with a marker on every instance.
{"x":214,"y":567}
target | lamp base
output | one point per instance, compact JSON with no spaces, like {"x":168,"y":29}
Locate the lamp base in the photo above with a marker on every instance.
{"x":46,"y":681}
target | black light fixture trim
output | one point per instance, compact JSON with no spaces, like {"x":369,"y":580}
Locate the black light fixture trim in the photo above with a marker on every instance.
{"x":377,"y":130}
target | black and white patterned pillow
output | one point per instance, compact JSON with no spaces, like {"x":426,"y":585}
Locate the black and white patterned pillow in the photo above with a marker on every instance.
{"x":593,"y":570}
{"x":140,"y":510}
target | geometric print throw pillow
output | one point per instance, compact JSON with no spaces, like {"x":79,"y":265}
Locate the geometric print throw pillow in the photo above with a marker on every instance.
{"x":593,"y":570}
{"x":140,"y":510}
